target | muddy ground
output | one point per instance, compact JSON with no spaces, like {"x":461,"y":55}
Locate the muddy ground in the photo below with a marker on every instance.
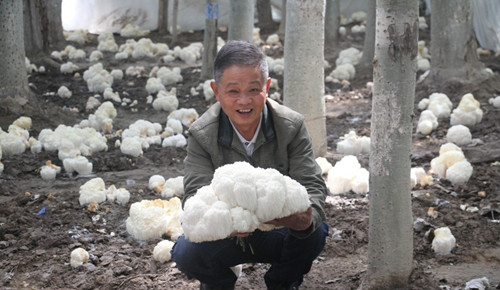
{"x":35,"y":249}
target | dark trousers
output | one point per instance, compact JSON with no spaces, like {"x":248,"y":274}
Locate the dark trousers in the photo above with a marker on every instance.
{"x":290,"y":258}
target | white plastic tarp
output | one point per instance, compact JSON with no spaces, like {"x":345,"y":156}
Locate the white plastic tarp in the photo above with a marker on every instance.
{"x":108,"y":15}
{"x":112,"y":15}
{"x":98,"y":16}
{"x":486,"y":21}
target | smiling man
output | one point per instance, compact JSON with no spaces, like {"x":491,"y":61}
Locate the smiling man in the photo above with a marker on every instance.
{"x":242,"y":94}
{"x":244,"y":125}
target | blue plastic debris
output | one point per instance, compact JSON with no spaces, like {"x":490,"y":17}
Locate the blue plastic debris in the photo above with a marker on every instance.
{"x":41,"y":212}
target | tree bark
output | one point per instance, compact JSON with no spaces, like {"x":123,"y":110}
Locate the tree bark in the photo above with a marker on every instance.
{"x":332,"y":23}
{"x":52,"y":28}
{"x":33,"y":40}
{"x":390,"y":246}
{"x":209,"y":39}
{"x":369,"y":42}
{"x":281,"y":28}
{"x":163,"y":16}
{"x":241,"y":19}
{"x":264,"y":14}
{"x":175,"y":14}
{"x":13,"y":76}
{"x":453,"y":45}
{"x":42,"y":26}
{"x":304,"y":74}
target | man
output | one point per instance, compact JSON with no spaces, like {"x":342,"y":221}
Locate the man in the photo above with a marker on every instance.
{"x":246,"y":126}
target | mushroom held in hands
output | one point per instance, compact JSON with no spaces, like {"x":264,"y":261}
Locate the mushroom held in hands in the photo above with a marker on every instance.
{"x":241,"y":198}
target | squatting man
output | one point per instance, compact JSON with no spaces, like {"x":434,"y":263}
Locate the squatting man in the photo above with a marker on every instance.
{"x":244,"y":125}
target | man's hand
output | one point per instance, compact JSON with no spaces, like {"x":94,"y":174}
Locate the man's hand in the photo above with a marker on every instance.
{"x":297,"y":222}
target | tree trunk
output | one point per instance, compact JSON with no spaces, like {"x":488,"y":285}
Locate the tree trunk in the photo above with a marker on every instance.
{"x":281,"y":28}
{"x":332,"y":23}
{"x":390,"y":246}
{"x":369,"y":43}
{"x":16,"y":99}
{"x":453,"y":45}
{"x":163,"y":16}
{"x":241,"y":18}
{"x":52,"y":29}
{"x":264,"y":14}
{"x":13,"y":77}
{"x":209,"y":39}
{"x":43,"y":30}
{"x":304,"y":74}
{"x":175,"y":14}
{"x":33,"y":40}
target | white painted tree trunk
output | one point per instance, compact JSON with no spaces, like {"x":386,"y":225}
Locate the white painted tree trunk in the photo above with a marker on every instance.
{"x":369,"y":42}
{"x":332,"y":23}
{"x":241,"y":20}
{"x":163,"y":16}
{"x":43,"y":31}
{"x":304,"y":81}
{"x":281,"y":29}
{"x":390,"y":247}
{"x":53,"y":25}
{"x":33,"y":41}
{"x":264,"y":14}
{"x":209,"y":39}
{"x":453,"y":45}
{"x":175,"y":15}
{"x":13,"y":77}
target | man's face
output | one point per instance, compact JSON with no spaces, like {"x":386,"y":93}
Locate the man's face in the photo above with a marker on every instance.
{"x":242,"y":94}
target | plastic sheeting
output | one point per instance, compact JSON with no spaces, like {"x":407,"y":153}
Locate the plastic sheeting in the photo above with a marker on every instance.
{"x":111,"y":15}
{"x":486,"y":21}
{"x":99,"y":16}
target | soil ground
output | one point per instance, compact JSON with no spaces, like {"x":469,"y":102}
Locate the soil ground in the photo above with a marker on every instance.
{"x":35,"y":249}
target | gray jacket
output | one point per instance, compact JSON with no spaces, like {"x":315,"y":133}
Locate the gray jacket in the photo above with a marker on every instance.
{"x":283,"y":143}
